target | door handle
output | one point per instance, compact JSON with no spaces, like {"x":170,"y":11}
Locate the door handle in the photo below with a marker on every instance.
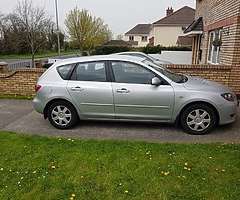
{"x":77,"y":89}
{"x":123,"y":90}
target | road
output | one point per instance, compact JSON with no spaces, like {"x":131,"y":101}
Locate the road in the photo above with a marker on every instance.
{"x":19,"y":116}
{"x":11,"y":61}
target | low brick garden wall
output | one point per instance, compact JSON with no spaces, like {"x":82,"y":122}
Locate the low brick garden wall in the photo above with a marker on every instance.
{"x":227,"y":75}
{"x":22,"y":81}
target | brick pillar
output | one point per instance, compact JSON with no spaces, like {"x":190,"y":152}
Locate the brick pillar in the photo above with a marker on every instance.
{"x":3,"y":67}
{"x":38,"y":63}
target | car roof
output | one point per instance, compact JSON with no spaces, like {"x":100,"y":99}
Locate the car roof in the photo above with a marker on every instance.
{"x":98,"y":58}
{"x":130,"y":52}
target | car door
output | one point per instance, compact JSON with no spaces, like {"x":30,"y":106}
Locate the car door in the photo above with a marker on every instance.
{"x":91,"y":91}
{"x":136,"y":98}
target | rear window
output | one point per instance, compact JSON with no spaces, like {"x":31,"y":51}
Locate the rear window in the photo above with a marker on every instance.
{"x":65,"y":70}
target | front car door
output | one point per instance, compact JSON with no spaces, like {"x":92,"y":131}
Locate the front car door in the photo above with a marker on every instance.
{"x":135,"y":97}
{"x":91,"y":91}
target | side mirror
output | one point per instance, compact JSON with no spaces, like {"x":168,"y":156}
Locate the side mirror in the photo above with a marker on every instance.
{"x":156,"y":81}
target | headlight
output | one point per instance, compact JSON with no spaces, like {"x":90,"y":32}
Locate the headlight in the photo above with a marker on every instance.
{"x":229,"y":96}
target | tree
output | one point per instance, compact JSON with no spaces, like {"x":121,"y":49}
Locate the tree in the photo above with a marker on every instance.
{"x":119,"y":37}
{"x":33,"y":22}
{"x":1,"y":32}
{"x":86,"y":30}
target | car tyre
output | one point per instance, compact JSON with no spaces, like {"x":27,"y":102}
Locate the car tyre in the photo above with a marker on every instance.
{"x":62,"y":115}
{"x":198,"y":119}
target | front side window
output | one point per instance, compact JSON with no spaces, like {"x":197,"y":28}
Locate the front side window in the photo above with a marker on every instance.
{"x":126,"y":72}
{"x":177,"y":78}
{"x":214,"y":46}
{"x":90,"y":71}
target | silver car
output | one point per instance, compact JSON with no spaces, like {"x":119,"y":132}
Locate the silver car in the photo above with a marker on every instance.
{"x":115,"y":87}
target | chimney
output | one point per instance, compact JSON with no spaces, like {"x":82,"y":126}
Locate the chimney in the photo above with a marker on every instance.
{"x":169,"y":11}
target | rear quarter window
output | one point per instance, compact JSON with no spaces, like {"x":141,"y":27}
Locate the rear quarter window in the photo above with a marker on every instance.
{"x":65,"y":70}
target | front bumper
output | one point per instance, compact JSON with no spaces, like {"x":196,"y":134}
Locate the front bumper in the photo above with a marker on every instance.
{"x":227,"y":113}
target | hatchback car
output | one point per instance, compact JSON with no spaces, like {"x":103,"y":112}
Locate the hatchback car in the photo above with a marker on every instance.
{"x":115,"y":87}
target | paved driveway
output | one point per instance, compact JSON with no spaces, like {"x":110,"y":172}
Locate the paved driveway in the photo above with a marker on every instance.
{"x":19,"y":116}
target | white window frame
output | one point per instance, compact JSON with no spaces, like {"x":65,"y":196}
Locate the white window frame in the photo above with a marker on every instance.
{"x":214,"y":51}
{"x":131,"y":38}
{"x":144,"y":38}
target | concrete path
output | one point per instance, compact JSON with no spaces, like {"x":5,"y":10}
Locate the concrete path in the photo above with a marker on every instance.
{"x":19,"y":116}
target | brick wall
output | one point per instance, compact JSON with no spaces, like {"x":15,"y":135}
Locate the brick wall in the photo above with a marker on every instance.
{"x":220,"y":74}
{"x":223,"y":14}
{"x":22,"y":81}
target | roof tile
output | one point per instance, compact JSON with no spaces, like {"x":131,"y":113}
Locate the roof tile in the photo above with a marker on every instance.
{"x":140,"y":29}
{"x":183,"y":16}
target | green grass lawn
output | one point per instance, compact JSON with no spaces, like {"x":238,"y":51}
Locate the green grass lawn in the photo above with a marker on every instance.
{"x":16,"y":96}
{"x":34,"y":167}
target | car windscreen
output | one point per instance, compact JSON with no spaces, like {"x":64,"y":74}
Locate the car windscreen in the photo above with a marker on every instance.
{"x":177,"y":78}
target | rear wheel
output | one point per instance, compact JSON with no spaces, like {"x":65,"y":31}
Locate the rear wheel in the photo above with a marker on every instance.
{"x":62,"y":115}
{"x":198,"y":119}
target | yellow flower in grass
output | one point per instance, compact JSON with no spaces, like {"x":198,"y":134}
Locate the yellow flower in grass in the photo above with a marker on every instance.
{"x":166,"y":173}
{"x":73,"y":195}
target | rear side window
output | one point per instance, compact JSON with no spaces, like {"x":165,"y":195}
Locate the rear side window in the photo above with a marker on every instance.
{"x":90,"y":71}
{"x":65,"y":70}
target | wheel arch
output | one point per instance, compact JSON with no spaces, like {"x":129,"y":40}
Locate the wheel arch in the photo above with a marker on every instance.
{"x":53,"y":101}
{"x":198,"y":102}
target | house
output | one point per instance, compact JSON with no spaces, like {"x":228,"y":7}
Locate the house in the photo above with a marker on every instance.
{"x":139,"y":35}
{"x":184,"y":41}
{"x":216,"y":33}
{"x":167,"y":30}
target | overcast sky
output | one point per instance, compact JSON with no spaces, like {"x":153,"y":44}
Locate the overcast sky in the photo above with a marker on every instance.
{"x":120,"y":15}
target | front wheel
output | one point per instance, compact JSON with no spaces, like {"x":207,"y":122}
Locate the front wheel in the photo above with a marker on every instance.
{"x":198,"y":119}
{"x":62,"y":115}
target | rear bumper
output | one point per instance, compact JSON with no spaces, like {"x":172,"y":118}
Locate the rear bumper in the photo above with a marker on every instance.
{"x":38,"y":105}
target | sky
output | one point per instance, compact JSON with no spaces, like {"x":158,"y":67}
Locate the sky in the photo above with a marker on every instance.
{"x":120,"y":15}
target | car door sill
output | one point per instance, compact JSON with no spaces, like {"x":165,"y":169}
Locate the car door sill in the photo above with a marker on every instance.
{"x":129,"y":120}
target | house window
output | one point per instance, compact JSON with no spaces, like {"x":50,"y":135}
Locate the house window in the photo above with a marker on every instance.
{"x":131,"y":38}
{"x":144,"y":38}
{"x":214,"y":46}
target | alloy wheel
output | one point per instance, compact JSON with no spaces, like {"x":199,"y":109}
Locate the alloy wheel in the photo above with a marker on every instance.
{"x":198,"y":120}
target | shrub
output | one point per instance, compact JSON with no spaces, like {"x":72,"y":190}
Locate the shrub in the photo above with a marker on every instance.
{"x":104,"y":50}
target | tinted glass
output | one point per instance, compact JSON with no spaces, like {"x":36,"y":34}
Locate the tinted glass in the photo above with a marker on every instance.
{"x":125,"y":72}
{"x":64,"y":70}
{"x":93,"y":71}
{"x":166,"y":72}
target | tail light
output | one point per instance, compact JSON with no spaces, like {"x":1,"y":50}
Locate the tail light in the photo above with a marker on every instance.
{"x":37,"y":87}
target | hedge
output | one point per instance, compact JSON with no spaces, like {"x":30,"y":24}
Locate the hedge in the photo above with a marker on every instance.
{"x":105,"y":50}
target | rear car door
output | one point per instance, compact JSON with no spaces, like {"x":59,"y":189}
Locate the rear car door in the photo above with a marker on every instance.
{"x":91,"y":91}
